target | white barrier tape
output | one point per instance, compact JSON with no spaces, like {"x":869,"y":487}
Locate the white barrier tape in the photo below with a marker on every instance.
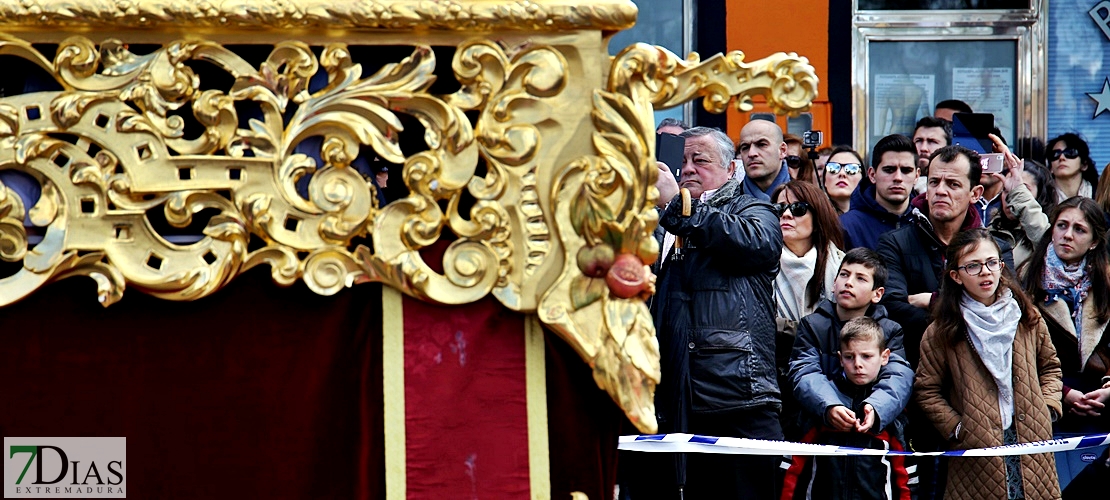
{"x":693,"y":443}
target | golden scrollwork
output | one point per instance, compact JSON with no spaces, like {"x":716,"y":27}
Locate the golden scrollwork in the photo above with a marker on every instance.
{"x":528,"y":181}
{"x":454,"y":15}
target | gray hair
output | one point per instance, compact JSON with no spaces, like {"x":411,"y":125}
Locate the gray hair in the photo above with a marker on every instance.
{"x":672,"y":122}
{"x":725,"y":146}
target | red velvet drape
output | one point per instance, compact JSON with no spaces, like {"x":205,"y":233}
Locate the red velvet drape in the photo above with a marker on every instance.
{"x":254,"y":392}
{"x":265,"y":392}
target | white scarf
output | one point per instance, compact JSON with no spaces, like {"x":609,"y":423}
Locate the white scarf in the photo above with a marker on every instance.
{"x":1085,"y":190}
{"x":992,"y":330}
{"x":790,"y":285}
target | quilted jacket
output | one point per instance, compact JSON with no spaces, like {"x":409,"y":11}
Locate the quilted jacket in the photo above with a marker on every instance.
{"x":954,"y":387}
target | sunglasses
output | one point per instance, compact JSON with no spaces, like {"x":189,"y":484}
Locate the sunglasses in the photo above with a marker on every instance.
{"x":1070,"y":153}
{"x":834,"y":168}
{"x":793,"y":161}
{"x":797,"y":209}
{"x":891,"y":169}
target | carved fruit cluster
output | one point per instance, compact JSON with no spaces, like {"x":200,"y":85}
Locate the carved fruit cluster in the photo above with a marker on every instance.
{"x":625,"y":274}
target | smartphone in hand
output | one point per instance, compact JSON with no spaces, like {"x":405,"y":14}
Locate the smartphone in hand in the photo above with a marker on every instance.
{"x":991,"y":162}
{"x":669,"y":149}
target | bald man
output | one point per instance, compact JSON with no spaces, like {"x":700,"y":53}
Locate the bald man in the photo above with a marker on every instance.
{"x":762,"y":150}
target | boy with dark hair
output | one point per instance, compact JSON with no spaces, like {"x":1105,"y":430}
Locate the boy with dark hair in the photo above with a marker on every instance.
{"x":863,"y":355}
{"x":815,"y":366}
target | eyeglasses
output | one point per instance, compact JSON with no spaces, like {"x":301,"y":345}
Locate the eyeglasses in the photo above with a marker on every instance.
{"x":793,"y":161}
{"x":891,"y":169}
{"x":797,"y":209}
{"x":976,"y":268}
{"x":834,"y":168}
{"x":1070,"y":153}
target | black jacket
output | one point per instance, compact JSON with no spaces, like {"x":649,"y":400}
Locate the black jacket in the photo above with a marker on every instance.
{"x":714,"y":311}
{"x":815,"y":367}
{"x":868,"y":220}
{"x":915,"y":263}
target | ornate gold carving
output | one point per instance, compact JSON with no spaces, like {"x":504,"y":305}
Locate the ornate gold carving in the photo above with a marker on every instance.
{"x":513,"y":15}
{"x":534,"y":185}
{"x":655,"y":76}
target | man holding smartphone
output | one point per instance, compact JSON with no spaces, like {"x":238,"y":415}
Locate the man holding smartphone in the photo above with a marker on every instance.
{"x":990,"y":202}
{"x":714,"y":311}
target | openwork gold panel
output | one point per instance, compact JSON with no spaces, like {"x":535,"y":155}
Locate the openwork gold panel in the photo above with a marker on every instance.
{"x":533,"y":180}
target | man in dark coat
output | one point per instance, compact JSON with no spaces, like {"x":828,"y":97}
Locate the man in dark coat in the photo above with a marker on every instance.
{"x":884,"y":205}
{"x":715,"y":317}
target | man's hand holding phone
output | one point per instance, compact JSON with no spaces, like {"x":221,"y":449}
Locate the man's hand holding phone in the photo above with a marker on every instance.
{"x":666,"y":184}
{"x":1013,"y":166}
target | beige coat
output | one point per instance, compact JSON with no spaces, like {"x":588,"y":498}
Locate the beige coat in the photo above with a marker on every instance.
{"x":953,"y":387}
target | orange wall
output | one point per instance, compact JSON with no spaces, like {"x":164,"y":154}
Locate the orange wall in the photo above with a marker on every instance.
{"x":760,"y":28}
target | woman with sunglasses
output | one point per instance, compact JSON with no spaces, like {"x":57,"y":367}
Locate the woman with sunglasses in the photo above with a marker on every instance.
{"x":797,"y":159}
{"x":811,"y":257}
{"x":843,"y":172}
{"x":811,"y":253}
{"x":1069,"y":159}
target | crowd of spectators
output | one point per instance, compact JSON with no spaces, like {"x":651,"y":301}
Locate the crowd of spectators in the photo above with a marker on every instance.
{"x":907,"y":301}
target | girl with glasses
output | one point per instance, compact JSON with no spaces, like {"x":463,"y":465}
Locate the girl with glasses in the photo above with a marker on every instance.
{"x":989,"y":375}
{"x":1069,"y":159}
{"x":811,"y":256}
{"x":843,"y":172}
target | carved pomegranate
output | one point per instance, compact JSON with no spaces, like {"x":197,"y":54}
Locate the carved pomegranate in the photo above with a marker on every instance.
{"x":628,"y":276}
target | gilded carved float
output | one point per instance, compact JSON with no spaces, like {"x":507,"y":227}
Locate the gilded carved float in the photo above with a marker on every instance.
{"x":536,"y":181}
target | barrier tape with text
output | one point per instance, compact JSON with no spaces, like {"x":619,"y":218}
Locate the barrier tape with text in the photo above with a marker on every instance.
{"x":694,"y":443}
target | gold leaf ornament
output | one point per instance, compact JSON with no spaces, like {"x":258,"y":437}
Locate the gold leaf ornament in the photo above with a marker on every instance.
{"x":530,"y":195}
{"x":13,"y":236}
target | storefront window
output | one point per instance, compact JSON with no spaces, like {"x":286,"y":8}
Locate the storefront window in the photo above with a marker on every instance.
{"x":908,"y":78}
{"x":943,"y":4}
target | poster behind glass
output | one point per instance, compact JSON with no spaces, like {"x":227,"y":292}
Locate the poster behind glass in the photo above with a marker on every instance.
{"x":907,"y":78}
{"x":943,"y":4}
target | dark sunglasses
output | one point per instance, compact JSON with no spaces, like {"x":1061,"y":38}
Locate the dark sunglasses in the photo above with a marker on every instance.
{"x":793,"y":161}
{"x":834,"y":168}
{"x":797,"y":209}
{"x":1070,"y":153}
{"x":891,"y":169}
